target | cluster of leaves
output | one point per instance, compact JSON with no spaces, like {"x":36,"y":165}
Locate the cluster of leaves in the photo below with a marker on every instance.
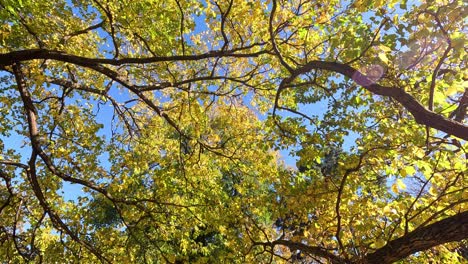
{"x":158,"y":131}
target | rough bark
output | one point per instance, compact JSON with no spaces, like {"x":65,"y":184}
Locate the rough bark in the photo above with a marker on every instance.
{"x":453,"y":228}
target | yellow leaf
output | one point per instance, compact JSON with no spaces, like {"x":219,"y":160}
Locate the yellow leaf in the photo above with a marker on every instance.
{"x":394,"y":188}
{"x":322,"y":18}
{"x":401,"y":184}
{"x":387,"y":209}
{"x":318,"y":160}
{"x":360,"y":5}
{"x":385,"y":48}
{"x":420,"y":153}
{"x":409,"y":170}
{"x":379,"y":243}
{"x":383,"y":57}
{"x":456,"y":87}
{"x":378,"y":3}
{"x":222,"y":229}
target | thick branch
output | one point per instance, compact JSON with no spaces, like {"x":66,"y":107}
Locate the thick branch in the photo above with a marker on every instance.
{"x":31,"y":114}
{"x":454,"y":228}
{"x":420,"y":113}
{"x":34,"y":54}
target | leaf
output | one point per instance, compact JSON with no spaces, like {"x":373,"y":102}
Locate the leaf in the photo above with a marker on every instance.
{"x":407,"y":171}
{"x":357,"y":99}
{"x":383,"y":57}
{"x":11,"y":9}
{"x":379,"y":243}
{"x":318,"y":160}
{"x":384,"y":48}
{"x":401,"y":185}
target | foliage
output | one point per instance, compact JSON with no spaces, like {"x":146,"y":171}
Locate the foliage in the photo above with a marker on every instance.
{"x":163,"y":131}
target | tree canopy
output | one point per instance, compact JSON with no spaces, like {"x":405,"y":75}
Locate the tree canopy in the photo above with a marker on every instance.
{"x":227,"y":131}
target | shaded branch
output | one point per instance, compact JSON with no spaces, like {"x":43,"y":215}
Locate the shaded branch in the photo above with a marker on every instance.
{"x":83,"y":31}
{"x":272,"y":38}
{"x":34,"y":54}
{"x":453,"y":228}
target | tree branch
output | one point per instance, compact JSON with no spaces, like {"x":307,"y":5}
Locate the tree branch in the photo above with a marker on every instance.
{"x":34,"y":54}
{"x":419,"y":112}
{"x":453,"y":228}
{"x":31,"y":114}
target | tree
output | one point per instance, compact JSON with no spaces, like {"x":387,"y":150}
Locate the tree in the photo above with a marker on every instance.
{"x":172,"y":118}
